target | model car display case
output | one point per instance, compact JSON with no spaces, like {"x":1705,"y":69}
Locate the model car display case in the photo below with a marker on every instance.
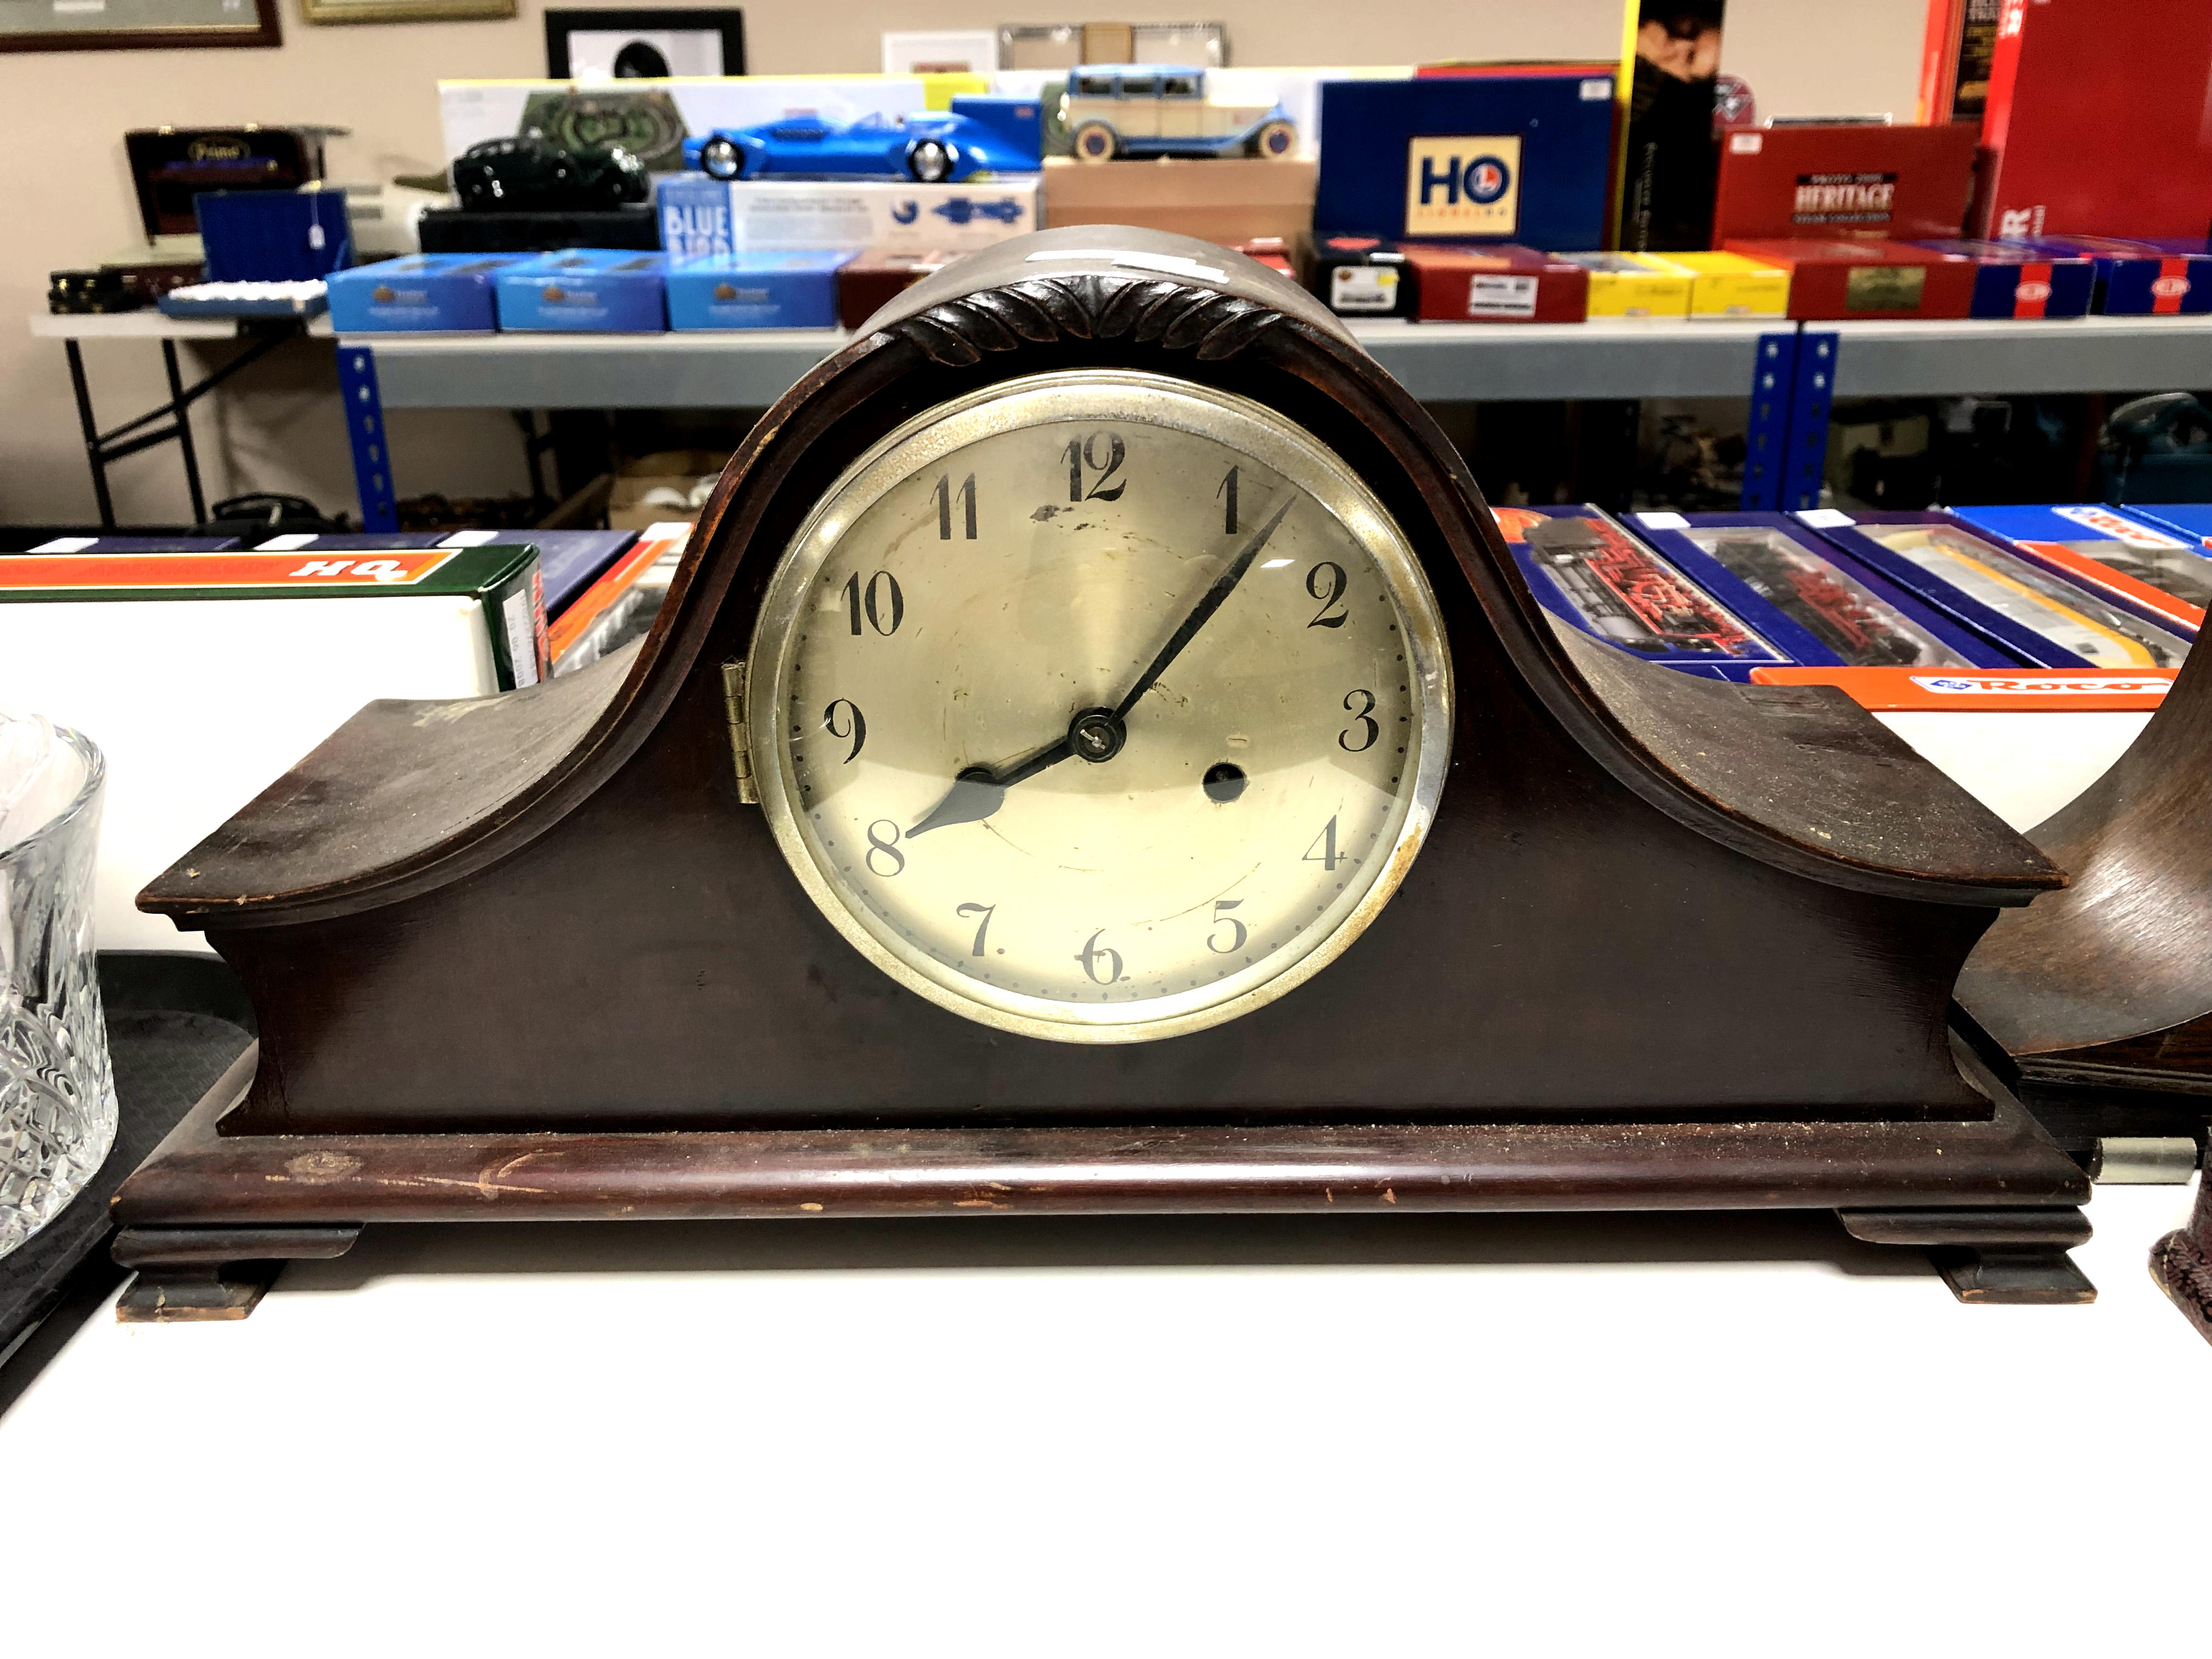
{"x":1588,"y":571}
{"x":1821,"y":607}
{"x":2130,"y":559}
{"x":1999,"y":593}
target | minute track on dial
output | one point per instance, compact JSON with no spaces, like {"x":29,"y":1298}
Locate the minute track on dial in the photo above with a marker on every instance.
{"x":977,"y":792}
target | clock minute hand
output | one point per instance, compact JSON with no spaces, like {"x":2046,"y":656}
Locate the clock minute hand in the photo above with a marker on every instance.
{"x":1215,"y":598}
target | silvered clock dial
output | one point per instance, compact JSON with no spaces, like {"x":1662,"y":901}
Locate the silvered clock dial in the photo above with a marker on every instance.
{"x":1099,"y":706}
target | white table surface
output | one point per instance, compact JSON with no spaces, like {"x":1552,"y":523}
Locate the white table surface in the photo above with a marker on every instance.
{"x":1502,"y":1435}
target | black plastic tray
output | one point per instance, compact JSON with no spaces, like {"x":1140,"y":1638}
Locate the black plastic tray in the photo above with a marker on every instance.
{"x":174,"y":1022}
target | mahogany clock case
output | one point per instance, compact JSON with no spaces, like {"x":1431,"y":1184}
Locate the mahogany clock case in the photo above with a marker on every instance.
{"x":548,"y":926}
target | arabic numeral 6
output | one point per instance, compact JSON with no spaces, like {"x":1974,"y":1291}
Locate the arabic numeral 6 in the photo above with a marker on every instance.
{"x":1102,"y":963}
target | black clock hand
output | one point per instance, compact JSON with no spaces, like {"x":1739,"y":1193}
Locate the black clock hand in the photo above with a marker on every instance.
{"x":978,"y":791}
{"x":1215,"y":596}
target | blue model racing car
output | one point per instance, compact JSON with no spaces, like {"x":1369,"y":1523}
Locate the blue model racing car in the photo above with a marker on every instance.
{"x":980,"y":135}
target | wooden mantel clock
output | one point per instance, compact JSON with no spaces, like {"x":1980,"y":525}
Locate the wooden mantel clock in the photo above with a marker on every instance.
{"x":1098,"y":755}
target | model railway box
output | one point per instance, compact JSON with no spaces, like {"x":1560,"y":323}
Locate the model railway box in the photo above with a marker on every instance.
{"x":1359,"y":276}
{"x":1730,"y":285}
{"x":2132,"y":560}
{"x":870,"y":281}
{"x":1998,"y":592}
{"x":1495,"y":283}
{"x":1589,"y":573}
{"x":2011,"y":279}
{"x":2096,"y":120}
{"x":136,"y":544}
{"x":755,"y":290}
{"x":1523,"y":156}
{"x":588,"y":291}
{"x":203,"y":677}
{"x":418,"y":293}
{"x":2141,"y":278}
{"x":1817,"y":604}
{"x":1829,"y":179}
{"x":1634,"y":284}
{"x":1837,"y":278}
{"x":1227,"y":199}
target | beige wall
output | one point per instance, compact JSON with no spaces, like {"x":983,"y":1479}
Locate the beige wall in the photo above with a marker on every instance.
{"x":67,"y":198}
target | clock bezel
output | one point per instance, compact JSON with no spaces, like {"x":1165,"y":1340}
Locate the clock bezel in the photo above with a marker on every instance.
{"x":1139,"y":397}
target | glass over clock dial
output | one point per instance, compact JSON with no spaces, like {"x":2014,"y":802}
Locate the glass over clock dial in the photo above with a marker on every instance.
{"x":1099,"y":706}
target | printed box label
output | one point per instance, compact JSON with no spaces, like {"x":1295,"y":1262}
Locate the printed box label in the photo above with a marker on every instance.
{"x":1463,"y":186}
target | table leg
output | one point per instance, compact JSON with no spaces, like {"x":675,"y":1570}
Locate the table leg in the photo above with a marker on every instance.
{"x":182,"y":416}
{"x":92,"y":447}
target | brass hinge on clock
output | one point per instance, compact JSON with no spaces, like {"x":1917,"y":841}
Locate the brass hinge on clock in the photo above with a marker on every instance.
{"x":741,"y":754}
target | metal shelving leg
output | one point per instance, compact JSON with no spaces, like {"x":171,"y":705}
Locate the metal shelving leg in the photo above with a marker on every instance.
{"x":1812,"y":392}
{"x":1767,"y":438}
{"x":372,"y":453}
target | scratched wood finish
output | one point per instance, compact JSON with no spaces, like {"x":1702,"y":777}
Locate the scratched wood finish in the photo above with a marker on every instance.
{"x":1670,"y":943}
{"x":1997,"y":1180}
{"x":2105,"y":989}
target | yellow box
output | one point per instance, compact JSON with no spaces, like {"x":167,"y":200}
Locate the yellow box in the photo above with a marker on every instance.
{"x":1729,"y":284}
{"x":1632,"y":285}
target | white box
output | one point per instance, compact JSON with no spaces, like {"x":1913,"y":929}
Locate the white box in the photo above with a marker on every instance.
{"x":699,"y":215}
{"x":200,"y":701}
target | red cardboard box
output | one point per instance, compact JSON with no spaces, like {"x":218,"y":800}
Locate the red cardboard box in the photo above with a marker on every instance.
{"x":1842,"y":178}
{"x":1840,"y":278}
{"x":1503,"y":283}
{"x":2097,"y":121}
{"x":868,"y":282}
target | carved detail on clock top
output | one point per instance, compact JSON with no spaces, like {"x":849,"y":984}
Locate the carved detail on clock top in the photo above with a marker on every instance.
{"x":1089,"y":306}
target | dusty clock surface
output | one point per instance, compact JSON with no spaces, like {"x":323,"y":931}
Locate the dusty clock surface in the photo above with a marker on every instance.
{"x":1099,"y":706}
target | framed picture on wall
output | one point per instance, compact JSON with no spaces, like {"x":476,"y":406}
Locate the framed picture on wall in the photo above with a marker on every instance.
{"x":402,"y":11}
{"x":640,"y":44}
{"x":120,"y":25}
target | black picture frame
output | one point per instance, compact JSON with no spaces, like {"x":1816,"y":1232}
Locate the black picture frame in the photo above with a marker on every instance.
{"x":266,"y":29}
{"x":728,"y":22}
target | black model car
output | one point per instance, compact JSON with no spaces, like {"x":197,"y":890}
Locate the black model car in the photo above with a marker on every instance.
{"x":526,"y":174}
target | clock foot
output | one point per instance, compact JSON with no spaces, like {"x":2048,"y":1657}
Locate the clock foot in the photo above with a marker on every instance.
{"x":2181,"y":1262}
{"x":1992,"y":1255}
{"x":212,"y":1273}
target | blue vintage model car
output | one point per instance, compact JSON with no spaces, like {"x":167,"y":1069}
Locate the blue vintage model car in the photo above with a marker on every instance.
{"x":980,"y":135}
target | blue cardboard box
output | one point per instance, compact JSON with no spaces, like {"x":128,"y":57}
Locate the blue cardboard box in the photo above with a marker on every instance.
{"x":447,"y":292}
{"x":2157,"y":570}
{"x":1525,"y":156}
{"x":586,"y":291}
{"x":1997,"y":592}
{"x":2011,"y":280}
{"x":1586,"y":568}
{"x":138,"y":544}
{"x":274,"y":235}
{"x":2156,"y":278}
{"x":1818,"y":606}
{"x":755,"y":290}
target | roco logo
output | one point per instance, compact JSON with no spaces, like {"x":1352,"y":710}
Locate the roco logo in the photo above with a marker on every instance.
{"x":2032,"y":291}
{"x":2170,"y":287}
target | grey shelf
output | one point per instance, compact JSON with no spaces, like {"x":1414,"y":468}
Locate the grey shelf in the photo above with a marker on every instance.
{"x":2074,"y":354}
{"x":1438,"y":361}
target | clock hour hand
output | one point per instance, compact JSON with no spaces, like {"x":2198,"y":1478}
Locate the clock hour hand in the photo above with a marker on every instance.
{"x":978,"y":791}
{"x":1215,"y":598}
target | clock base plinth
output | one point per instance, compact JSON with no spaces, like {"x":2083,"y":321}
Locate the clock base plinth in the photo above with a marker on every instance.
{"x":2181,"y":1262}
{"x":184,"y":1274}
{"x":209,"y":1216}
